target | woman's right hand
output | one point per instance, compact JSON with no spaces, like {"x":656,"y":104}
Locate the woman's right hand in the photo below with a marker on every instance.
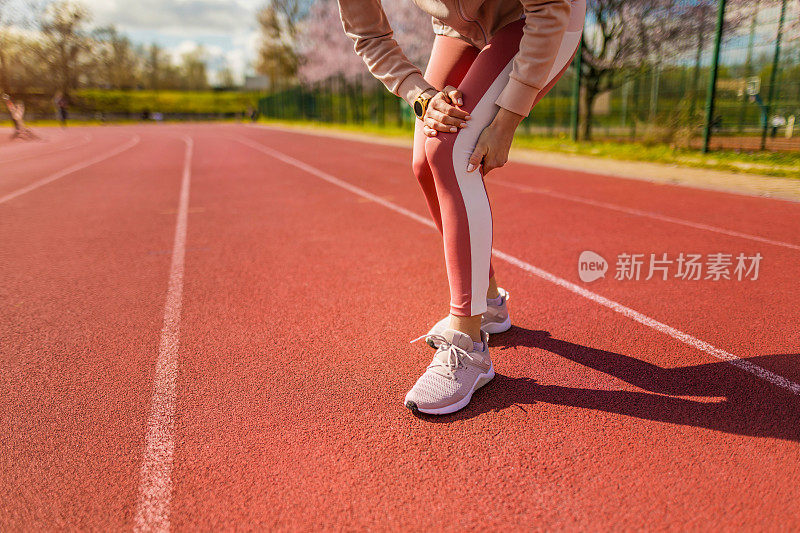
{"x":443,"y":113}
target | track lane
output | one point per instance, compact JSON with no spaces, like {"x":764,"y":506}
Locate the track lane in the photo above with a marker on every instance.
{"x":68,"y":142}
{"x":299,"y":297}
{"x":559,"y":230}
{"x":72,"y":169}
{"x":648,"y":321}
{"x":767,"y":217}
{"x":18,"y":176}
{"x":16,"y":147}
{"x":294,"y":381}
{"x":643,"y":213}
{"x":84,"y":280}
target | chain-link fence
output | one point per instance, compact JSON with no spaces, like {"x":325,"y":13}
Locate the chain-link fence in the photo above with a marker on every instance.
{"x":755,"y":103}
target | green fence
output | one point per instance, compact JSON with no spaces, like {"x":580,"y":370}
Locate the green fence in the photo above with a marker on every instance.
{"x":755,"y":101}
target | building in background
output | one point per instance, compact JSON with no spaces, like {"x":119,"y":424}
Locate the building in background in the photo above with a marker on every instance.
{"x":256,"y":83}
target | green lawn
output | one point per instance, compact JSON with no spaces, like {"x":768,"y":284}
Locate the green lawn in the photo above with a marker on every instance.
{"x":190,"y":102}
{"x":780,"y":164}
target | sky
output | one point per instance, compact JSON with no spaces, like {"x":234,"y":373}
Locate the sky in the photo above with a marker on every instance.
{"x":225,"y":28}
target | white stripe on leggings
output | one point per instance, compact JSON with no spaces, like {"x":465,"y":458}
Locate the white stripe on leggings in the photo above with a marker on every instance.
{"x":479,"y":216}
{"x":473,"y":192}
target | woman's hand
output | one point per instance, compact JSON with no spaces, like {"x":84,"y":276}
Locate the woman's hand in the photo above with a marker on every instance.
{"x":491,"y":152}
{"x":442,"y":113}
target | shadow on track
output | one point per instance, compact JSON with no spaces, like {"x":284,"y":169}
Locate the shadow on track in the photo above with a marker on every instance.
{"x":750,"y":407}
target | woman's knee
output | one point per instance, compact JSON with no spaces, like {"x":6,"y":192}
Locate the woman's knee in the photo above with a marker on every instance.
{"x":439,"y":152}
{"x":419,"y":164}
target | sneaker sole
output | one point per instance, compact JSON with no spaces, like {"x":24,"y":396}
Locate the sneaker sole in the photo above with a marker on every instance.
{"x":492,"y":328}
{"x":482,"y":380}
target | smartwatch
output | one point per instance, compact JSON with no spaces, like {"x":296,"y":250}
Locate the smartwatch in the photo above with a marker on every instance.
{"x":421,"y":104}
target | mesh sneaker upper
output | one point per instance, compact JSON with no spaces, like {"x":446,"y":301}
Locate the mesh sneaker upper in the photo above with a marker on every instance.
{"x":432,"y":388}
{"x":453,"y":372}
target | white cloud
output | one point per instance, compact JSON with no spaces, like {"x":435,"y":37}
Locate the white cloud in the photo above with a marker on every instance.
{"x":237,"y":59}
{"x":225,"y":28}
{"x":175,"y":16}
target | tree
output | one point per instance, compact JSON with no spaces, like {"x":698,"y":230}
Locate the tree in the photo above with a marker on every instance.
{"x":623,"y":36}
{"x":225,"y":78}
{"x":4,"y":45}
{"x":154,"y":67}
{"x":14,"y":16}
{"x":329,"y":52}
{"x":65,"y":42}
{"x":193,"y":70}
{"x":117,"y":63}
{"x":279,"y":22}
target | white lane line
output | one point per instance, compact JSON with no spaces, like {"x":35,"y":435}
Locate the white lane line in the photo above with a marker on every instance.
{"x":685,"y":338}
{"x":69,"y":170}
{"x":642,"y":213}
{"x":747,"y":366}
{"x":155,"y":485}
{"x":86,"y":140}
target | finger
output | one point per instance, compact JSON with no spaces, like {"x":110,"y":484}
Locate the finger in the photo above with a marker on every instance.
{"x":448,"y":110}
{"x":442,"y":106}
{"x":454,"y":95}
{"x":493,"y":163}
{"x":443,"y":118}
{"x":428,"y":131}
{"x":434,"y":124}
{"x":445,"y":123}
{"x":458,"y":113}
{"x":476,"y":158}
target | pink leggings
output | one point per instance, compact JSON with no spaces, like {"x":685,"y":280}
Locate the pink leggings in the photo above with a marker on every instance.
{"x":457,"y":199}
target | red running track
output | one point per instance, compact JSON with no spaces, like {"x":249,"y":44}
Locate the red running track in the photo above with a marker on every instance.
{"x":256,"y":381}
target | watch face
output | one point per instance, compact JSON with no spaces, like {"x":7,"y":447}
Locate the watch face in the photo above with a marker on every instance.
{"x":418,"y":109}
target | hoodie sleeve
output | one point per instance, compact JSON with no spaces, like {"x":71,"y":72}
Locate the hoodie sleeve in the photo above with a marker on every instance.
{"x":365,"y":22}
{"x":545,"y":24}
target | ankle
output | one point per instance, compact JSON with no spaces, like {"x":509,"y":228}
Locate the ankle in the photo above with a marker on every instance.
{"x":468,"y":325}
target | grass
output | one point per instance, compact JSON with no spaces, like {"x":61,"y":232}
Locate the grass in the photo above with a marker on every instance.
{"x":778,"y":164}
{"x":190,"y":102}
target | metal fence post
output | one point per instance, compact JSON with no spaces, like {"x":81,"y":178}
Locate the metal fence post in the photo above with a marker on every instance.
{"x":696,"y":74}
{"x":748,"y":67}
{"x":576,"y":92}
{"x":773,"y":75}
{"x":712,"y":81}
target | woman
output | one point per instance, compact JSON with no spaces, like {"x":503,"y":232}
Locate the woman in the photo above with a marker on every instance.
{"x":492,"y":61}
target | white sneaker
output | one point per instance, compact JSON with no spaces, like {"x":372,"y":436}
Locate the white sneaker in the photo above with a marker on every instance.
{"x":495,"y":320}
{"x":456,"y":372}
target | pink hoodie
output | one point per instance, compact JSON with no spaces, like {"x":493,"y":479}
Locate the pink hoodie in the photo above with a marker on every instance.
{"x":475,"y":21}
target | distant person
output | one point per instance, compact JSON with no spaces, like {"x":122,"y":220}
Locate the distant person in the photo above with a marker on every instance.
{"x":251,"y":114}
{"x":145,"y":114}
{"x":61,"y":103}
{"x":778,"y":121}
{"x":17,"y":112}
{"x":492,"y":61}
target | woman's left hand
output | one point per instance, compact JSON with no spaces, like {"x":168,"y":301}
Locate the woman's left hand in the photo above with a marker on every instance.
{"x":491,"y":152}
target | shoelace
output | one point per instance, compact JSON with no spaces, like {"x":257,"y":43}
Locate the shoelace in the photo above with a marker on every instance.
{"x":454,"y":355}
